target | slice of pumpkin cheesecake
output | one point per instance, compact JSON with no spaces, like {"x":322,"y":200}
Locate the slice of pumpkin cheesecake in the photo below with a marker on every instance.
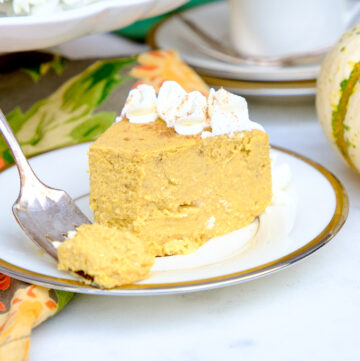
{"x":179,"y":169}
{"x":106,"y":257}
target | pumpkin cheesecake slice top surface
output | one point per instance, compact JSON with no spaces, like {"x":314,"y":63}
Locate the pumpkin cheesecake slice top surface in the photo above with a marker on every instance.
{"x":179,"y":168}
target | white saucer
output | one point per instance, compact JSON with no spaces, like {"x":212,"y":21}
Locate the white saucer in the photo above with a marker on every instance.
{"x":322,"y":209}
{"x":264,"y":88}
{"x":172,"y":33}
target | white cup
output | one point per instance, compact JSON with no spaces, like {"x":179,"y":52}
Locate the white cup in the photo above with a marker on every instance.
{"x":270,"y":28}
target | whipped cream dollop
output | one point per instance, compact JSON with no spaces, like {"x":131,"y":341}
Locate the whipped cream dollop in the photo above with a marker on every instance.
{"x":228,"y":113}
{"x":141,"y":105}
{"x":185,"y":112}
{"x":278,"y":219}
{"x":189,"y":113}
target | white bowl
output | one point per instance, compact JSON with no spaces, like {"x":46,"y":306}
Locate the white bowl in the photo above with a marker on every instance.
{"x":20,"y":33}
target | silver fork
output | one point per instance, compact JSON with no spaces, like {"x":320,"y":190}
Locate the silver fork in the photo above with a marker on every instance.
{"x":45,"y":214}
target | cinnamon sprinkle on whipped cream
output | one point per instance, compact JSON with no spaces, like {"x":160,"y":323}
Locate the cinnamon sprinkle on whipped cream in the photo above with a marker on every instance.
{"x":189,"y":113}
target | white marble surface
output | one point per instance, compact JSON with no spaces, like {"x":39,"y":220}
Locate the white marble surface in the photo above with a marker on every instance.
{"x":307,"y":312}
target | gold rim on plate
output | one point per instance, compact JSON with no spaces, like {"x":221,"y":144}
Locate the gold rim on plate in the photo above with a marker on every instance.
{"x":332,"y":228}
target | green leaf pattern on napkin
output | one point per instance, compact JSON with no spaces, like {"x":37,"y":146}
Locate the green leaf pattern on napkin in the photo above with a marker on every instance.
{"x":68,"y":115}
{"x":38,"y":71}
{"x":63,"y":298}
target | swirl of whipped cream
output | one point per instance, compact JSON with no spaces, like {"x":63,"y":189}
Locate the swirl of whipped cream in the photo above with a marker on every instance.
{"x":228,"y":113}
{"x":185,"y":112}
{"x":191,"y":115}
{"x":140,"y":105}
{"x":169,"y":99}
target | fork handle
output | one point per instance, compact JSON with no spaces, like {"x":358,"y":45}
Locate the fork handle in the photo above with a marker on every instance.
{"x":25,"y":171}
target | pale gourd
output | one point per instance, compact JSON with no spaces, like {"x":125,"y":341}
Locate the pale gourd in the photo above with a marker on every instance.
{"x":338,"y":97}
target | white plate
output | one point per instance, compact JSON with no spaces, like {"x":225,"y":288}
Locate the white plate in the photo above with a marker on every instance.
{"x":322,"y":210}
{"x":37,"y":32}
{"x":174,"y":34}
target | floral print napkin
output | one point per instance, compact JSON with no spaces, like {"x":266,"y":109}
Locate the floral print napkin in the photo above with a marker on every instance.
{"x":51,"y":102}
